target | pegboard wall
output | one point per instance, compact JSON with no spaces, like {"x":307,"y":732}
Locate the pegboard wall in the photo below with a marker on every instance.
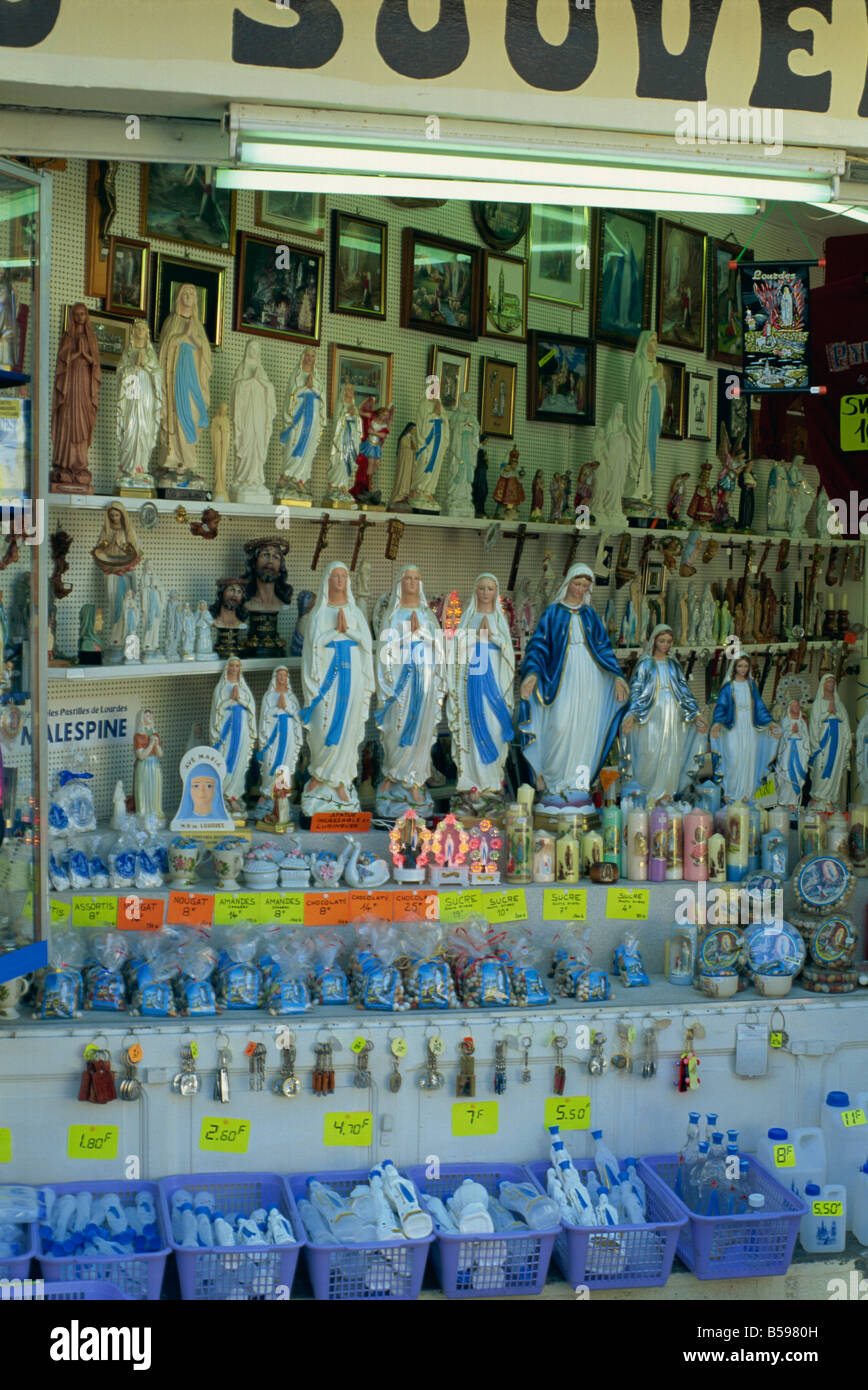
{"x":448,"y":557}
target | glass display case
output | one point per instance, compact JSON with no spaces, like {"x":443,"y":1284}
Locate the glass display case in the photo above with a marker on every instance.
{"x":26,"y":548}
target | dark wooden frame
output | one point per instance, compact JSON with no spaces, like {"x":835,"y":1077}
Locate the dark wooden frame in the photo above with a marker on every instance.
{"x":646,"y":220}
{"x":535,"y":338}
{"x":408,"y":244}
{"x":486,"y":332}
{"x":245,"y":239}
{"x":199,"y":273}
{"x":337,"y":215}
{"x":701,"y":313}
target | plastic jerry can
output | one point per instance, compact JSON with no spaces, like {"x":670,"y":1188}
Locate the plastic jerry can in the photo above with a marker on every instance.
{"x":858,"y":1216}
{"x":824,"y":1228}
{"x":844,"y":1121}
{"x":809,"y":1153}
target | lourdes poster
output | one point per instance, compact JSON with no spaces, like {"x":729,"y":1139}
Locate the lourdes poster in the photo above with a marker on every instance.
{"x":775,"y":314}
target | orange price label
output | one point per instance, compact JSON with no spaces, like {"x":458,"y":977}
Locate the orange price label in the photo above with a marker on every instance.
{"x":370,"y":904}
{"x":415,"y":906}
{"x":341,"y":822}
{"x":326,"y":909}
{"x":140,"y":914}
{"x":190,"y":909}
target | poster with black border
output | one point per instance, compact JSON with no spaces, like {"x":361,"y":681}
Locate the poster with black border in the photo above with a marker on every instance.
{"x":775,"y":299}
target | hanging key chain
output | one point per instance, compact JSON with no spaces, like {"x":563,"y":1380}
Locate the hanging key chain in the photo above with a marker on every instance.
{"x":649,"y":1054}
{"x":778,"y":1035}
{"x":688,"y":1065}
{"x":499,"y":1068}
{"x":465,"y":1082}
{"x":362,"y":1078}
{"x":398,"y":1049}
{"x":559,"y":1042}
{"x":525,"y":1042}
{"x":597,"y":1063}
{"x":221,"y":1080}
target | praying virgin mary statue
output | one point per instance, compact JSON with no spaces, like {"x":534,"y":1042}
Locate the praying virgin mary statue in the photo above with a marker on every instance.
{"x":646,"y":402}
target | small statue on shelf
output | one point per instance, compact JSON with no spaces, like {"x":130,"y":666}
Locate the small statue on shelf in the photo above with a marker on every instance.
{"x":508,"y":492}
{"x":304,"y":600}
{"x":233,"y":730}
{"x":117,"y":555}
{"x":480,"y":483}
{"x":279,"y":818}
{"x":280,"y":731}
{"x":204,"y":633}
{"x":152,"y":601}
{"x":556,"y":491}
{"x":646,"y":406}
{"x":676,"y":498}
{"x":267,"y":593}
{"x":433,"y":434}
{"x":567,"y":516}
{"x":831,"y":742}
{"x":537,"y":496}
{"x":701,"y":508}
{"x":77,"y":379}
{"x":220,"y":433}
{"x":229,"y":614}
{"x":404,"y":469}
{"x":463,"y":449}
{"x":778,"y":498}
{"x":612,"y":449}
{"x":90,"y":625}
{"x":185,"y":361}
{"x":304,"y":419}
{"x":731,"y":461}
{"x":376,"y":424}
{"x":794,"y":752}
{"x":188,"y":633}
{"x":346,"y":442}
{"x":139,"y":410}
{"x":747,"y":500}
{"x":148,"y":774}
{"x":254,"y":406}
{"x":800,"y":500}
{"x":585,"y":488}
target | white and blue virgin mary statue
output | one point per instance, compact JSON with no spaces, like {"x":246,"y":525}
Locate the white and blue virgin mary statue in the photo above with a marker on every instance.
{"x":280,"y":732}
{"x":573,"y":693}
{"x":481,"y":680}
{"x":202,"y":805}
{"x":664,"y":729}
{"x":744,"y":736}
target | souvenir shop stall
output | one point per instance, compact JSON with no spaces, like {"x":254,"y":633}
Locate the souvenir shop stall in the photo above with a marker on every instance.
{"x":433,"y":694}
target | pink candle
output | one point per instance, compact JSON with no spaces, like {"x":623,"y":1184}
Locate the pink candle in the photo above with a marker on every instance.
{"x":697,"y":833}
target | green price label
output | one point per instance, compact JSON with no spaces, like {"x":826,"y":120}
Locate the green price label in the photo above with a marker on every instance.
{"x":286,"y":908}
{"x":827,"y":1208}
{"x":776,"y":1040}
{"x":457,"y":907}
{"x":570,"y":1112}
{"x":5,"y":1145}
{"x":767,"y":789}
{"x":565,"y":904}
{"x":850,"y":1118}
{"x":785,"y":1155}
{"x":230,"y":908}
{"x":627,"y":904}
{"x":358,"y":1044}
{"x":58,"y":912}
{"x":854,"y":422}
{"x":222,"y":1136}
{"x":348,"y":1127}
{"x":470,"y":1118}
{"x":92,"y":1141}
{"x":508,"y":906}
{"x":94,"y":912}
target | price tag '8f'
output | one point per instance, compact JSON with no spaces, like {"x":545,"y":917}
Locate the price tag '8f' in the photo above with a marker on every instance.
{"x":785,"y":1155}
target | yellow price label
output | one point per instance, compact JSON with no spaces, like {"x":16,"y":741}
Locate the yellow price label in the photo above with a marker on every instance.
{"x":286,"y":908}
{"x":767,"y":789}
{"x":58,"y":912}
{"x":348,"y":1127}
{"x":10,"y":409}
{"x":92,"y":1141}
{"x":776,"y":1039}
{"x":854,"y":422}
{"x":27,"y":909}
{"x":230,"y":908}
{"x":570,"y":1112}
{"x":628,"y":904}
{"x":785,"y":1155}
{"x":470,"y":1118}
{"x":358,"y":1044}
{"x":508,"y":906}
{"x":827,"y":1208}
{"x":850,"y":1118}
{"x":223,"y":1136}
{"x":194,"y":1049}
{"x":565,"y":904}
{"x":5,"y":1145}
{"x":398,"y":1047}
{"x":457,"y":907}
{"x":94,"y":912}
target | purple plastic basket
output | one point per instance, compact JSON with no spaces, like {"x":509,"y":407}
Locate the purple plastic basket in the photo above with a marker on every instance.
{"x":255,"y":1272}
{"x":139,"y":1276}
{"x":488,"y":1266}
{"x":746,"y":1246}
{"x":94,"y":1290}
{"x":390,"y":1269}
{"x":631,"y":1257}
{"x":19,"y":1267}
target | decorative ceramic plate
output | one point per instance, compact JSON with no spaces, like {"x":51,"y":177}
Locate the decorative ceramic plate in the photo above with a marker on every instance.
{"x":822,"y":881}
{"x":719,"y":951}
{"x":774,"y":950}
{"x":832,"y":943}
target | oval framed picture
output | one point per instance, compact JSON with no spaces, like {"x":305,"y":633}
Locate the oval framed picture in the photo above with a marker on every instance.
{"x":418,"y":202}
{"x":501,"y":225}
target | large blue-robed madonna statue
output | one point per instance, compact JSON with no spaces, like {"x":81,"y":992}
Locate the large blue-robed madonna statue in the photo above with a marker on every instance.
{"x":573,"y":696}
{"x":663,"y":723}
{"x":744,"y":737}
{"x":481,"y":679}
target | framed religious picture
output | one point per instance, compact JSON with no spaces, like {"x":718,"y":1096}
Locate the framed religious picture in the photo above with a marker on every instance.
{"x":358,"y":265}
{"x":497,"y":397}
{"x":278,"y":289}
{"x":504,"y":297}
{"x":127,"y":277}
{"x":366,"y":369}
{"x":112,"y":335}
{"x":681,"y":286}
{"x":674,"y":374}
{"x":724,"y":303}
{"x":733,"y":409}
{"x":622,"y":259}
{"x":171,"y":272}
{"x":439,"y":285}
{"x":560,"y":378}
{"x":181,"y":202}
{"x":698,"y":406}
{"x":452,"y":369}
{"x":500,"y":225}
{"x":558,"y":254}
{"x":300,"y":213}
{"x":101,"y":211}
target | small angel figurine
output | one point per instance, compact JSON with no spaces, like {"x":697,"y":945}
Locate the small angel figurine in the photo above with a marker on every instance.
{"x":676,"y":498}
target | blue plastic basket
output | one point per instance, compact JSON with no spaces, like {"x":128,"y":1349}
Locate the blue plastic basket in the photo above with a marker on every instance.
{"x":390,"y":1269}
{"x":257,"y":1272}
{"x":752,"y":1244}
{"x":487,"y":1266}
{"x":139,"y":1276}
{"x":627,"y":1257}
{"x":19,"y":1267}
{"x":93,"y":1290}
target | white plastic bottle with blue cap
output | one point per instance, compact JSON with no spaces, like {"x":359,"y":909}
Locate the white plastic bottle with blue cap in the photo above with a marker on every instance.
{"x":539,"y":1212}
{"x":631,"y":1208}
{"x":843,"y":1121}
{"x":824,"y":1228}
{"x":637,"y":1184}
{"x":605,"y":1161}
{"x":858,"y":1219}
{"x":415,"y":1223}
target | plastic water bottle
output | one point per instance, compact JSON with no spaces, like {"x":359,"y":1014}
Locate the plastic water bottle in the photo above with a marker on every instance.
{"x":204,"y":1230}
{"x":224,"y":1235}
{"x":318,"y":1230}
{"x":539,"y":1212}
{"x":688,"y":1155}
{"x":858,"y":1219}
{"x":694,"y":1177}
{"x":637,"y":1184}
{"x":606,"y":1163}
{"x":341,"y":1219}
{"x":710,"y":1125}
{"x":824,"y":1228}
{"x":415,"y":1223}
{"x":630,"y":1205}
{"x":443,"y":1219}
{"x":846,"y":1141}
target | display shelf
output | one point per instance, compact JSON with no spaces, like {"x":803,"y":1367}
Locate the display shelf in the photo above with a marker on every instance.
{"x":134,"y":669}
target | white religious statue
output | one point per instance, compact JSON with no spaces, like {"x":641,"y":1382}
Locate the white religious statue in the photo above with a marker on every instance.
{"x":148,"y":774}
{"x":411,"y":681}
{"x":280,"y":731}
{"x":173,"y":627}
{"x":220,"y":433}
{"x":695,"y":608}
{"x":432,"y":436}
{"x":646,"y":403}
{"x":131,"y":624}
{"x":337,"y":677}
{"x":407,"y":445}
{"x":119,"y":806}
{"x":139,"y":410}
{"x":204,"y":632}
{"x":254,"y":407}
{"x":778,"y":500}
{"x":304,"y":419}
{"x":346,"y":442}
{"x":744,"y":736}
{"x":794,"y":751}
{"x":232,"y":731}
{"x":461,"y":464}
{"x":861,"y":759}
{"x":152,"y":598}
{"x":613,"y":450}
{"x":188,"y":633}
{"x":573,"y":695}
{"x":801,"y":499}
{"x":480,"y":699}
{"x":185,"y":361}
{"x":707,"y":618}
{"x":663,"y":724}
{"x":831,"y":743}
{"x":363,"y":588}
{"x":117,"y":555}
